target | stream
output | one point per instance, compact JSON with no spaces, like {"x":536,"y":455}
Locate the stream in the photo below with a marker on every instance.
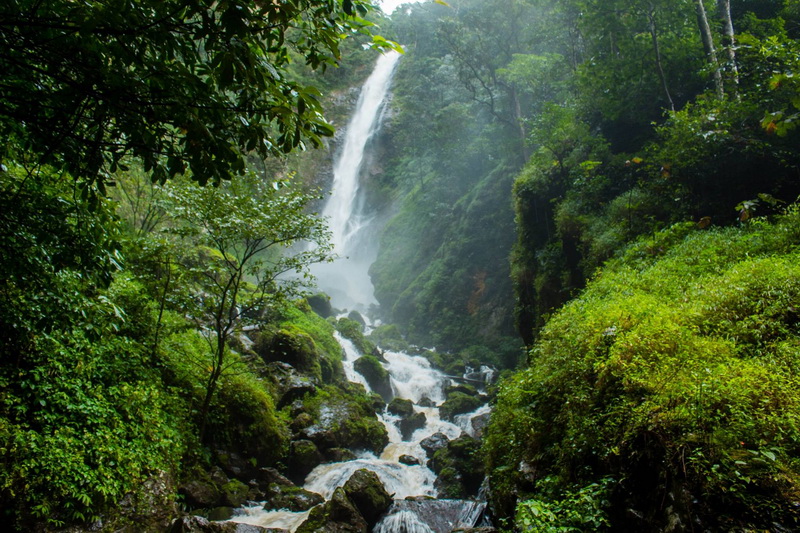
{"x":412,"y":377}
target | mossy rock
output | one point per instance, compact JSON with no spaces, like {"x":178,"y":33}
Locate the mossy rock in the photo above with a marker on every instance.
{"x":355,"y":316}
{"x":294,"y":499}
{"x":410,"y":424}
{"x":464,"y":388}
{"x":367,"y":492}
{"x":234,"y":493}
{"x":458,"y":403}
{"x":304,"y":456}
{"x":354,"y":331}
{"x":375,"y":374}
{"x":337,"y":515}
{"x":292,"y":346}
{"x":320,"y":303}
{"x":389,"y":337}
{"x":459,"y":468}
{"x":401,"y":407}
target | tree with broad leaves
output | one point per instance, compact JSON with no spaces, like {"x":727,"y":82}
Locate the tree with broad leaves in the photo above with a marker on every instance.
{"x":187,"y":86}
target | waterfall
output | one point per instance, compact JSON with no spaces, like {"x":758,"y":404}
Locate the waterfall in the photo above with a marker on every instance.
{"x":346,"y":280}
{"x":411,"y":377}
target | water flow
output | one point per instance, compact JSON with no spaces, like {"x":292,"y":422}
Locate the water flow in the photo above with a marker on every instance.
{"x":346,"y":280}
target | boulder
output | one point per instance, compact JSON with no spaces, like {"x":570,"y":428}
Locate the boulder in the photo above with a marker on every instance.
{"x":479,"y":424}
{"x":458,"y":403}
{"x":409,"y":460}
{"x":339,"y":455}
{"x":200,"y":494}
{"x":234,"y":493}
{"x":463,"y":388}
{"x":290,"y":385}
{"x":356,"y":316}
{"x":303,"y":458}
{"x":294,"y":499}
{"x":412,"y":423}
{"x":377,"y":376}
{"x":337,"y":515}
{"x":401,"y":407}
{"x":198,"y":524}
{"x":320,"y":303}
{"x":434,"y":443}
{"x":426,"y":402}
{"x":365,"y":490}
{"x":459,"y":468}
{"x":289,"y":345}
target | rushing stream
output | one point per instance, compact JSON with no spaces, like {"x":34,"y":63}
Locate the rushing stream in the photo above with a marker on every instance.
{"x":412,"y":377}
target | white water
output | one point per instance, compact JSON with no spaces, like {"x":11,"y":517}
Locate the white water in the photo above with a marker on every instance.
{"x":346,"y":280}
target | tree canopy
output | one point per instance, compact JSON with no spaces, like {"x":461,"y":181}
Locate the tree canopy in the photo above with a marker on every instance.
{"x":185,"y":85}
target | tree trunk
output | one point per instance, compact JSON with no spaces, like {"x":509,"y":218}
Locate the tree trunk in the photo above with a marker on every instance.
{"x":708,"y":45}
{"x":729,"y":37}
{"x":654,"y":35}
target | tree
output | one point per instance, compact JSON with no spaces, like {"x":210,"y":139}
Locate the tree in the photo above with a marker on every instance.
{"x":231,"y":241}
{"x":183,"y":85}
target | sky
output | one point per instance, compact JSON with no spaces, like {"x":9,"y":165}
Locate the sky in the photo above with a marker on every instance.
{"x":389,"y":5}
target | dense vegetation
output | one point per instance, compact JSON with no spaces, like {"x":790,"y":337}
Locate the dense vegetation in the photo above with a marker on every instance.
{"x":125,"y":372}
{"x":637,"y":160}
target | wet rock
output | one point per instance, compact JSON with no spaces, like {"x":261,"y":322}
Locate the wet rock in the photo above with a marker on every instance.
{"x":300,"y":422}
{"x":356,"y":316}
{"x":198,"y":524}
{"x":458,"y":403}
{"x":366,"y":491}
{"x":459,"y":468}
{"x":234,"y":493}
{"x":377,"y":376}
{"x":409,"y":425}
{"x":303,"y":458}
{"x":434,"y":443}
{"x":409,"y":460}
{"x":378,"y":403}
{"x":401,"y":407}
{"x":426,"y":402}
{"x":463,"y":388}
{"x":321,"y":304}
{"x":293,"y":499}
{"x":288,"y":345}
{"x":220,"y":513}
{"x":337,"y":515}
{"x":338,"y":455}
{"x":200,"y":494}
{"x":290,"y":385}
{"x":479,"y":424}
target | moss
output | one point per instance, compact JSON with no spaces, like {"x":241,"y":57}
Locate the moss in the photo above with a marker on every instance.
{"x":354,"y":331}
{"x":389,"y":337}
{"x":375,"y":374}
{"x":458,"y":403}
{"x":234,"y":493}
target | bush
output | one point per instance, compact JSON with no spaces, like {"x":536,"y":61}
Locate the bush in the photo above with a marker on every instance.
{"x":675,"y":373}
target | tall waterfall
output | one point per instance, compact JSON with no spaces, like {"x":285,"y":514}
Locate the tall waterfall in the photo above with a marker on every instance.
{"x":347,"y":279}
{"x":411,"y":377}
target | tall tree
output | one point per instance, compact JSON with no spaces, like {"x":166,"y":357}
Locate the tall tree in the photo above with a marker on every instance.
{"x":708,"y":45}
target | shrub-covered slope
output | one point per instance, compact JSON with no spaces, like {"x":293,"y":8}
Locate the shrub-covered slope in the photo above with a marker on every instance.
{"x":666,"y":396}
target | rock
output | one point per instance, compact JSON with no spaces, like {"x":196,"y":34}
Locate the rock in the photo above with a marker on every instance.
{"x":290,"y":385}
{"x":458,"y":403}
{"x":479,"y":424}
{"x":356,"y":316}
{"x":294,"y":499}
{"x":338,"y":455}
{"x":401,"y":407}
{"x":220,"y":513}
{"x":409,"y":460}
{"x":459,"y":468}
{"x":377,"y":376}
{"x":234,"y":493}
{"x":365,"y":490}
{"x":378,"y":404}
{"x":409,"y":425}
{"x":301,"y":422}
{"x":198,"y":524}
{"x":463,"y":388}
{"x":235,"y":466}
{"x":288,"y":345}
{"x":337,"y":515}
{"x":426,"y":402}
{"x":320,"y":303}
{"x":303,"y":458}
{"x":200,"y":494}
{"x":434,"y":443}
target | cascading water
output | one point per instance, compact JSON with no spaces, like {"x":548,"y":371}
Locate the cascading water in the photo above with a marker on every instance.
{"x":346,"y":280}
{"x":412,"y":377}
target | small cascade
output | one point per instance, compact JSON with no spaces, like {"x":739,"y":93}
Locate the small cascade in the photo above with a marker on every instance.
{"x":430,"y":516}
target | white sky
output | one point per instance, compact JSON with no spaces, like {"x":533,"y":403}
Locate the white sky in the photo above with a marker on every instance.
{"x":389,"y":5}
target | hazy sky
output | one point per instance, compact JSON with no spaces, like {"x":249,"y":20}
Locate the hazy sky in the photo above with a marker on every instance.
{"x":389,"y":5}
